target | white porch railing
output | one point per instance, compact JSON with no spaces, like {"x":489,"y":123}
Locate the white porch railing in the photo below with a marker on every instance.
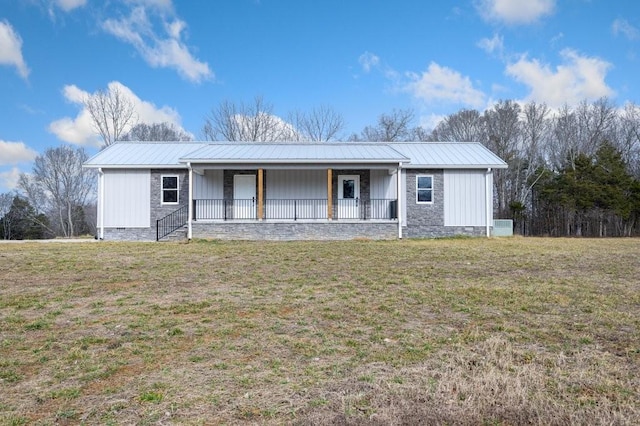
{"x":295,"y":209}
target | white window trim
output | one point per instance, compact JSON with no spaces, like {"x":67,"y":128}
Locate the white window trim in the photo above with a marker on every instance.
{"x":170,"y":189}
{"x":417,"y":189}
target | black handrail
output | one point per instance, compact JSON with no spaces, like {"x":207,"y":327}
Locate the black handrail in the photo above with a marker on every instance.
{"x":171,"y":222}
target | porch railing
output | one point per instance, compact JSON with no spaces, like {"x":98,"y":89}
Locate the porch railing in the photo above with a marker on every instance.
{"x":295,"y":209}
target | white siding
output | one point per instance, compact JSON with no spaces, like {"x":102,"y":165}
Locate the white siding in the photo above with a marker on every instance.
{"x":208,"y":186}
{"x":127,"y":198}
{"x":300,"y":184}
{"x":464,"y":198}
{"x":383,"y":184}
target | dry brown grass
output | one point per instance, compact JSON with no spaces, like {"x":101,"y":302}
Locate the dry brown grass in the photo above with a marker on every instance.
{"x":461,"y":331}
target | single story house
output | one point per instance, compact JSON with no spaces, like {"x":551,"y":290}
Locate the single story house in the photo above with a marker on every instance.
{"x":340,"y":190}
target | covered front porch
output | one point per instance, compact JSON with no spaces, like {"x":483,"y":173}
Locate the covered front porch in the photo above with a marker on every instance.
{"x":261,"y":187}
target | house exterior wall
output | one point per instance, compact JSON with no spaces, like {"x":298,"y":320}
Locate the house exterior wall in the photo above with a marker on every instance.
{"x":428,"y":220}
{"x":156,"y":209}
{"x":383,"y":184}
{"x":298,"y":184}
{"x":126,"y":198}
{"x":208,"y":185}
{"x":465,"y":198}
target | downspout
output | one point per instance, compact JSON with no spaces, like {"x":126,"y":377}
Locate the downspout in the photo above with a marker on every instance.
{"x":101,"y":203}
{"x":190,"y":205}
{"x":399,"y":203}
{"x":488,"y":200}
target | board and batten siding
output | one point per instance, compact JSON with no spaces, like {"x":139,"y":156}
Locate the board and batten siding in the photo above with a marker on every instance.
{"x":465,"y":198}
{"x":383,"y":184}
{"x":126,"y":198}
{"x":296,"y":184}
{"x":208,"y":186}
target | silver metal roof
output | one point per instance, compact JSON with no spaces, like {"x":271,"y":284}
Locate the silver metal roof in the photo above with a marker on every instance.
{"x":300,"y":153}
{"x":451,"y":155}
{"x":143,"y":155}
{"x":448,"y":155}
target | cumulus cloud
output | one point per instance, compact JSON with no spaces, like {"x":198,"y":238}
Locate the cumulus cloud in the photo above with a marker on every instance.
{"x":11,"y":49}
{"x":515,"y":12}
{"x":69,"y":5}
{"x":576,"y":79}
{"x":494,"y":45}
{"x":15,"y":152}
{"x":442,"y":84}
{"x":622,"y":26}
{"x":368,"y":61}
{"x":9,"y":179}
{"x":160,"y":47}
{"x":79,"y":130}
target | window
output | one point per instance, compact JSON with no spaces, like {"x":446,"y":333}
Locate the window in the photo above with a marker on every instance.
{"x":169,"y":189}
{"x":424,"y":189}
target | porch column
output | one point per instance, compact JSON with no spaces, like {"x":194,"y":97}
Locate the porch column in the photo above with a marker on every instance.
{"x":330,"y":194}
{"x":260,"y":194}
{"x":400,"y":198}
{"x":190,"y":205}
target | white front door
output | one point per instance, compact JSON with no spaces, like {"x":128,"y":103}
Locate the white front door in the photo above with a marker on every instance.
{"x":348,"y":196}
{"x":244,"y":196}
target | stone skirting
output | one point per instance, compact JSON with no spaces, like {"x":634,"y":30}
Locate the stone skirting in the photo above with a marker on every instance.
{"x":288,"y":231}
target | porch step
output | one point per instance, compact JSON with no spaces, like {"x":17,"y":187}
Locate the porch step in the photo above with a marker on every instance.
{"x":179,"y":234}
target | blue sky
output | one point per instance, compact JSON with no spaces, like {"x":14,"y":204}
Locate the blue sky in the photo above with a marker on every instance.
{"x":178,"y":59}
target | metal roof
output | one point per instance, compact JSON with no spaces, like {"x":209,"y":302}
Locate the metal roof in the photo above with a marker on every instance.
{"x":300,"y":153}
{"x":451,"y":155}
{"x":448,"y":155}
{"x":143,"y":155}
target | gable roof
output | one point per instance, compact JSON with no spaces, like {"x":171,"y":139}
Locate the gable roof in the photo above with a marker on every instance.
{"x":297,"y":153}
{"x":438,"y":155}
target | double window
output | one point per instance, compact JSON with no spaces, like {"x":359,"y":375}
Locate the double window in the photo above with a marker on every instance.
{"x":170,"y":189}
{"x":424,"y":189}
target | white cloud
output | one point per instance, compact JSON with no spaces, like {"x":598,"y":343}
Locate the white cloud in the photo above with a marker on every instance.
{"x":15,"y":152}
{"x":80,"y":131}
{"x":368,"y":60}
{"x":69,"y":5}
{"x":622,"y":26}
{"x":442,"y":84}
{"x":9,"y":179}
{"x":492,"y":45}
{"x":11,"y":49}
{"x":578,"y":78}
{"x":159,"y":48}
{"x":515,"y":12}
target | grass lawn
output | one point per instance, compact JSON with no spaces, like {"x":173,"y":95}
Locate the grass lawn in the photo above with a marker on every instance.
{"x":462,"y":331}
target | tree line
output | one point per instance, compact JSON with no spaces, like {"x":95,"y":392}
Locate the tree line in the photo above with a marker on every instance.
{"x":572,"y":172}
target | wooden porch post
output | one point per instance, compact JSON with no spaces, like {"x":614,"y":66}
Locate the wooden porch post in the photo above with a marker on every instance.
{"x":260,"y":194}
{"x":330,"y":194}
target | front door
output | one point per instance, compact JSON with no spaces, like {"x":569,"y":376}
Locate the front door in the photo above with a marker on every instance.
{"x":244,"y":196}
{"x":348,"y":196}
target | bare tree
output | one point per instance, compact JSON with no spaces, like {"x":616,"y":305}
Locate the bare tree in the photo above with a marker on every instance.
{"x":628,"y":137}
{"x":463,"y":126}
{"x":166,"y":132}
{"x":246,"y":122}
{"x":322,"y":124}
{"x":111,"y":113}
{"x":58,"y":184}
{"x":535,"y":131}
{"x":392,"y":127}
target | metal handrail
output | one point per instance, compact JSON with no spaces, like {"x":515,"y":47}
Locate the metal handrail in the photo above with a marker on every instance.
{"x":171,"y":222}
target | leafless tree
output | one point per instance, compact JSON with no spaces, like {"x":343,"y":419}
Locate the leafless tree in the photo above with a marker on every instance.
{"x":463,"y":126}
{"x":58,"y":184}
{"x":627,"y":137}
{"x":111,"y":113}
{"x":530,"y":158}
{"x":253,"y":122}
{"x":161,"y":132}
{"x":321,"y":124}
{"x":392,"y":127}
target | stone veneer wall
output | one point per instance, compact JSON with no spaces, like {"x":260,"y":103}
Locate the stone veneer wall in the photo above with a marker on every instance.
{"x":281,"y":231}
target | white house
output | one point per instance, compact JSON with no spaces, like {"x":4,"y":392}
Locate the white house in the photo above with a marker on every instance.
{"x":148,"y":190}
